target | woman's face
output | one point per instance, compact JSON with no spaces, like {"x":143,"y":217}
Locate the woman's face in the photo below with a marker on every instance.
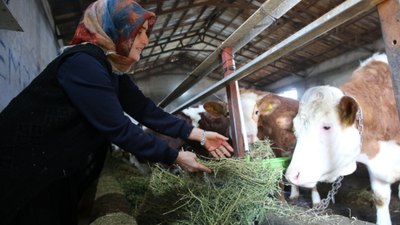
{"x":141,"y":40}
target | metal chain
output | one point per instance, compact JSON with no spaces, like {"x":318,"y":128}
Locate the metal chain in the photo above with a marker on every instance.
{"x":360,"y":121}
{"x":359,"y":116}
{"x":330,"y":197}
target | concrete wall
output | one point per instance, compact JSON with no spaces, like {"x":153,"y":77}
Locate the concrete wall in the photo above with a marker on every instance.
{"x":24,"y":54}
{"x":158,"y":83}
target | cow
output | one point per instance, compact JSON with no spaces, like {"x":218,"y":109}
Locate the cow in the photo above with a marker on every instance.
{"x":358,"y":122}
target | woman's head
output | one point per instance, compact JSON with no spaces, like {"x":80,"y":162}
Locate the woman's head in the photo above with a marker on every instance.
{"x":114,"y":25}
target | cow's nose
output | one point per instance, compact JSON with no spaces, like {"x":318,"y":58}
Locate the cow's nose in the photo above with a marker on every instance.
{"x":252,"y":138}
{"x":293,"y":176}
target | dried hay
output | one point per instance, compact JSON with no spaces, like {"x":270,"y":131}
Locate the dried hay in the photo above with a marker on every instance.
{"x":239,"y":191}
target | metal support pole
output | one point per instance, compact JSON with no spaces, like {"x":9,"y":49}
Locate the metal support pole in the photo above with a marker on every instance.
{"x":389,"y":14}
{"x":233,"y":103}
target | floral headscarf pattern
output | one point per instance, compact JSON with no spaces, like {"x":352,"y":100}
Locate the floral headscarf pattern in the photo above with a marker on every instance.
{"x":113,"y":25}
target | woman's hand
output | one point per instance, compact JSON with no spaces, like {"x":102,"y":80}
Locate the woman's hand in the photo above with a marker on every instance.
{"x":217,"y":144}
{"x":214,"y":142}
{"x":187,"y":160}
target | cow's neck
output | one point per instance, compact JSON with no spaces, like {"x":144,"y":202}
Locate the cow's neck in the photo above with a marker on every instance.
{"x":370,"y":149}
{"x":360,"y":126}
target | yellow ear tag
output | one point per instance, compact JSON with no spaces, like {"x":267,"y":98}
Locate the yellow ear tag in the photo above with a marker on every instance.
{"x":267,"y":108}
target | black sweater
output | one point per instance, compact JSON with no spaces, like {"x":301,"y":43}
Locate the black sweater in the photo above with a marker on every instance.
{"x":74,"y":108}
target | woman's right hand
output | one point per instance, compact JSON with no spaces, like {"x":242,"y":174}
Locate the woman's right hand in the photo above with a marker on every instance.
{"x":187,"y":160}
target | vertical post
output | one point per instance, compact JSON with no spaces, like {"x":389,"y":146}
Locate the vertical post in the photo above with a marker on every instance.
{"x":389,"y":14}
{"x":233,"y":103}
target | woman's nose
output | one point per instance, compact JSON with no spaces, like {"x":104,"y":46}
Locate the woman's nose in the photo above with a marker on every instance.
{"x":145,"y":39}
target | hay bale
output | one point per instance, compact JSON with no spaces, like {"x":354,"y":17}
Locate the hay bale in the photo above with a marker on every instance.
{"x":111,"y":206}
{"x":115,"y":219}
{"x":307,"y":219}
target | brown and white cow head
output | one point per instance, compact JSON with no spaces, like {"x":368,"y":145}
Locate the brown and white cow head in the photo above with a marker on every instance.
{"x":276,"y":122}
{"x":328,"y":140}
{"x":265,"y":115}
{"x":268,"y":115}
{"x":215,"y":118}
{"x":211,"y":116}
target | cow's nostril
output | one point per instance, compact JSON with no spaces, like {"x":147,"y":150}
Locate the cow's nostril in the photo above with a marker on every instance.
{"x":293,"y":177}
{"x":250,"y":139}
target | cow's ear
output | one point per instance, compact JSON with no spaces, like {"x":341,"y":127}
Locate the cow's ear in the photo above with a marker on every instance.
{"x":347,"y":108}
{"x":215,"y":108}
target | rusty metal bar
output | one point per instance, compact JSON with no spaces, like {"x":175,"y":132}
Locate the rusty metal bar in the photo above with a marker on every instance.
{"x":389,"y":14}
{"x":228,"y":64}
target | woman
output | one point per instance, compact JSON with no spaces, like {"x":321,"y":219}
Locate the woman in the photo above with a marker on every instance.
{"x":55,"y":134}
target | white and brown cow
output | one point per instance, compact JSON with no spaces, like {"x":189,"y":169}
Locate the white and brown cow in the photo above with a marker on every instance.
{"x":265,"y":116}
{"x":335,"y":128}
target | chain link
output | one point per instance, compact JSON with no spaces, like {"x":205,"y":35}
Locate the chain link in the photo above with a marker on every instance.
{"x":360,"y":120}
{"x":330,"y":197}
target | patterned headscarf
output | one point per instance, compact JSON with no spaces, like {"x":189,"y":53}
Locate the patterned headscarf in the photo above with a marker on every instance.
{"x":113,"y":25}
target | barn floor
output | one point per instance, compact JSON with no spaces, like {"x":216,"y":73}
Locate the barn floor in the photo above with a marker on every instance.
{"x":354,"y":198}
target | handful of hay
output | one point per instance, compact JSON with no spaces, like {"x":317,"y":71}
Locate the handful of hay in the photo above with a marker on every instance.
{"x":238,"y":192}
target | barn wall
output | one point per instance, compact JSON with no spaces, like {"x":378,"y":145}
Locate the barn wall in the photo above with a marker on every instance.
{"x":158,"y":83}
{"x":24,"y":54}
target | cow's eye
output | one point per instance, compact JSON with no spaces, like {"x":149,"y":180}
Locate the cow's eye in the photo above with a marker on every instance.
{"x":257,"y":112}
{"x":326,"y":127}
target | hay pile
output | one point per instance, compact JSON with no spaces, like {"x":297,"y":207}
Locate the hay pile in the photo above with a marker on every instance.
{"x":238,"y":192}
